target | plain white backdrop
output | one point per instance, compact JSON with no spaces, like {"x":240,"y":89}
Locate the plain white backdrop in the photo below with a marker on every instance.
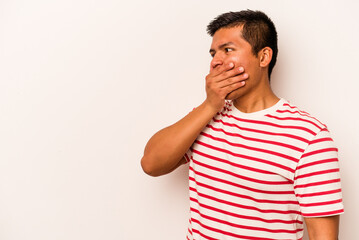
{"x":85,"y":84}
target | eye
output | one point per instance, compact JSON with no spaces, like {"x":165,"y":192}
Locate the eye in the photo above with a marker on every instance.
{"x":228,"y":50}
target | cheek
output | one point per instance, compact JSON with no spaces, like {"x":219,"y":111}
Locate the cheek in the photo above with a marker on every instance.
{"x":238,"y":61}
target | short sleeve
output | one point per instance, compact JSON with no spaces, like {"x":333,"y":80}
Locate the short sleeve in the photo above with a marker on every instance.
{"x":317,"y":178}
{"x":188,"y":155}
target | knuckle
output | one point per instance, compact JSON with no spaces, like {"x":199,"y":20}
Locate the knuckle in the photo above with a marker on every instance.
{"x":225,"y":74}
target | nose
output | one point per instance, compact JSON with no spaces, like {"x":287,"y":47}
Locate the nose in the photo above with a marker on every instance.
{"x":216,"y":61}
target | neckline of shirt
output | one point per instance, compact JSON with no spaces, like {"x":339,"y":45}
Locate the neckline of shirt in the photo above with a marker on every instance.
{"x":260,"y":113}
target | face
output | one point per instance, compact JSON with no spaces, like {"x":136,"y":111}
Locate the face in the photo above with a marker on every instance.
{"x":228,"y":45}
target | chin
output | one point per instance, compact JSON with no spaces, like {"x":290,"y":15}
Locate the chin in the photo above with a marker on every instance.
{"x":236,"y":94}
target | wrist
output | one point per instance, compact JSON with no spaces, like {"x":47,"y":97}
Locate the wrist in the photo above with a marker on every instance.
{"x":210,"y":108}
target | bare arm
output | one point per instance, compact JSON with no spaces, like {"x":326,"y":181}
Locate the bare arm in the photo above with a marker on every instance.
{"x":165,"y":151}
{"x":168,"y":146}
{"x":323,"y":228}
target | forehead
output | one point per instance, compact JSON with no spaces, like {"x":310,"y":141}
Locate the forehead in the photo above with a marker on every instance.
{"x":224,"y":35}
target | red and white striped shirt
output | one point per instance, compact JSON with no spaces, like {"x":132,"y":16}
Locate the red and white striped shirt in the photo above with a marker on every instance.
{"x":256,"y":175}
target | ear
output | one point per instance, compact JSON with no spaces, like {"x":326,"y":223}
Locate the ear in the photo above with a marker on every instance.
{"x":265,"y":56}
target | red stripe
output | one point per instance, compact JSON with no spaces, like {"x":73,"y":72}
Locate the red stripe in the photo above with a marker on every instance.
{"x":241,"y":176}
{"x":186,"y":157}
{"x":244,"y":206}
{"x":203,"y":235}
{"x":269,"y":124}
{"x":238,"y":185}
{"x":317,"y":183}
{"x":321,"y":203}
{"x":336,"y":212}
{"x":244,"y":226}
{"x":294,"y":119}
{"x":246,"y":157}
{"x":320,"y":151}
{"x":302,"y":113}
{"x":256,"y":139}
{"x":229,"y":233}
{"x":241,"y":186}
{"x":226,"y":108}
{"x":294,"y":107}
{"x":250,"y":148}
{"x":305,"y":113}
{"x":232,"y":163}
{"x":318,"y":193}
{"x":317,"y":163}
{"x":245,"y":216}
{"x":287,"y":104}
{"x":261,"y":131}
{"x":317,"y":173}
{"x":321,"y":140}
{"x":299,"y":112}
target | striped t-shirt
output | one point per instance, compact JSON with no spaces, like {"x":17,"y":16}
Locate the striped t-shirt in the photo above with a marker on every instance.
{"x":256,"y":175}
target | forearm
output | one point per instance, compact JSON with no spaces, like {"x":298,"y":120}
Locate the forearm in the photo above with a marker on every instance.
{"x":167,"y":147}
{"x":165,"y":150}
{"x":323,"y":228}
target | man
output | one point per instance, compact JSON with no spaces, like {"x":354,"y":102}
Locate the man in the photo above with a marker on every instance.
{"x":258,"y":166}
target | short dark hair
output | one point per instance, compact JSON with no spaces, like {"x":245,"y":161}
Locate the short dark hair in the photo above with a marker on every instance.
{"x":258,"y":30}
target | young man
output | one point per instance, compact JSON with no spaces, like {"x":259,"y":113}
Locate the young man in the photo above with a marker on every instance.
{"x":258,"y":166}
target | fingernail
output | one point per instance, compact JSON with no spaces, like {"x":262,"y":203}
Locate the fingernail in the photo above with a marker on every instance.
{"x":230,"y":64}
{"x":241,"y":69}
{"x":245,"y":75}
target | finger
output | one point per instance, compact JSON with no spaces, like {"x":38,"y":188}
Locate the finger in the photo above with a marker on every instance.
{"x":232,"y":88}
{"x":229,"y":74}
{"x":221,"y":69}
{"x":232,"y":80}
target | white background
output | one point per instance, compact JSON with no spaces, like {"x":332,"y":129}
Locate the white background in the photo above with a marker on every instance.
{"x":84,"y":84}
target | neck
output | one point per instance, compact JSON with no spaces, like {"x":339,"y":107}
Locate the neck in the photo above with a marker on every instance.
{"x":261,"y":97}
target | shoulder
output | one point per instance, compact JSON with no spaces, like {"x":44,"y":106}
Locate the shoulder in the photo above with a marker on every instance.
{"x":288,"y":113}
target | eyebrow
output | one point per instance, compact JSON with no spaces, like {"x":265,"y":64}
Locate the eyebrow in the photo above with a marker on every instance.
{"x":221,"y":46}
